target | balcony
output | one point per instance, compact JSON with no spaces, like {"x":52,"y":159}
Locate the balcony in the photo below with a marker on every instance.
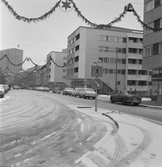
{"x":137,"y":77}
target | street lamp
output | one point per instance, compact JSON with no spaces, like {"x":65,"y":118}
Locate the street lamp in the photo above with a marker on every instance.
{"x":116,"y":73}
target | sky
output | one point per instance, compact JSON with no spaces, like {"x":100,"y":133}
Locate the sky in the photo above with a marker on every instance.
{"x":38,"y":39}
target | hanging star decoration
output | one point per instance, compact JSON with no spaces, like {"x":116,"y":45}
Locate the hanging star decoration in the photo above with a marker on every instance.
{"x":66,"y":5}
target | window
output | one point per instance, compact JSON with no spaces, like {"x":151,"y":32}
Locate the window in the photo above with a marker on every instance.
{"x":123,"y":72}
{"x":123,"y":61}
{"x":140,"y":40}
{"x":122,"y":39}
{"x":156,"y":49}
{"x":118,"y":82}
{"x":112,"y":60}
{"x":76,"y":70}
{"x":76,"y":58}
{"x":132,"y":61}
{"x":149,"y":51}
{"x":140,"y":61}
{"x":149,"y":6}
{"x":133,"y":50}
{"x":101,"y":59}
{"x":77,"y":37}
{"x":77,"y":48}
{"x":105,"y":60}
{"x":112,"y":39}
{"x":103,"y":38}
{"x":160,"y":45}
{"x":157,"y":24}
{"x":148,"y":31}
{"x":140,"y":51}
{"x":111,"y":71}
{"x":156,"y":3}
{"x":150,"y":83}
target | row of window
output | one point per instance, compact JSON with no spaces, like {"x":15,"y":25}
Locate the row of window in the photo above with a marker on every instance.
{"x":73,"y":50}
{"x":72,"y":71}
{"x":111,"y":49}
{"x":154,"y":49}
{"x":155,"y":24}
{"x":113,"y":71}
{"x":74,"y":39}
{"x":138,"y":72}
{"x":113,"y":39}
{"x":120,"y":39}
{"x":152,"y":4}
{"x":138,"y":83}
{"x":120,"y":50}
{"x":111,"y":60}
{"x":73,"y":60}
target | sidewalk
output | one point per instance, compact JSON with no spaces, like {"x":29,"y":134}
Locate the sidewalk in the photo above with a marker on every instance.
{"x":146,"y":102}
{"x":129,"y":141}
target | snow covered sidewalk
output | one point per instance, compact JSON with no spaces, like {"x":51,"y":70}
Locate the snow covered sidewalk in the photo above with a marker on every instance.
{"x":136,"y":142}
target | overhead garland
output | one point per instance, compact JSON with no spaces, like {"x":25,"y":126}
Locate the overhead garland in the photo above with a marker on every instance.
{"x":36,"y":65}
{"x":67,"y":5}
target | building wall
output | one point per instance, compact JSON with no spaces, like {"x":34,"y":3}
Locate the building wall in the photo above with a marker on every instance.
{"x":57,"y":75}
{"x":152,"y":57}
{"x":91,"y":50}
{"x":15,"y":56}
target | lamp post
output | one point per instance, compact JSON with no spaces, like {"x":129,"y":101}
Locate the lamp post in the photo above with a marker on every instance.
{"x":96,"y":62}
{"x":116,"y":73}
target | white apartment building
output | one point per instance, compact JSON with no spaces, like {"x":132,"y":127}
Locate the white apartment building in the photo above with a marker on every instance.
{"x":10,"y":62}
{"x":57,"y":69}
{"x":88,"y":45}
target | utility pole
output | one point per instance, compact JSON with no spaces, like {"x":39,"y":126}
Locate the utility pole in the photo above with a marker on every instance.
{"x":116,"y":78}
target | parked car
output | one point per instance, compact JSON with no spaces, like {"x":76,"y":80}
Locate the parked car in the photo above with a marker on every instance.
{"x":16,"y":87}
{"x":75,"y":91}
{"x":125,"y":98}
{"x":67,"y":91}
{"x":87,"y":93}
{"x":2,"y":90}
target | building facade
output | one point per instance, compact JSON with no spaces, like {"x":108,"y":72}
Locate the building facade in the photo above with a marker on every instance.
{"x":117,"y":50}
{"x":57,"y":69}
{"x":11,"y":62}
{"x":152,"y":44}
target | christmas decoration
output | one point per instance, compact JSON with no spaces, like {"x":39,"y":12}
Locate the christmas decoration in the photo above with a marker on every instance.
{"x":67,"y":5}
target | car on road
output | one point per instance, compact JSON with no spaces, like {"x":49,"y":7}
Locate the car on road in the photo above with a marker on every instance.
{"x":87,"y":93}
{"x":75,"y":92}
{"x":2,"y":91}
{"x":67,"y":91}
{"x":125,"y":98}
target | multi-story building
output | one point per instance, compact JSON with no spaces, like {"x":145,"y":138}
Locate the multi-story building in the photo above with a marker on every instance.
{"x":152,"y":44}
{"x":57,"y":69}
{"x":11,"y":62}
{"x":116,"y":50}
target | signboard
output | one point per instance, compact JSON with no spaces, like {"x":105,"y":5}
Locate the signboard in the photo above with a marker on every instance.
{"x":96,"y":71}
{"x":97,"y":84}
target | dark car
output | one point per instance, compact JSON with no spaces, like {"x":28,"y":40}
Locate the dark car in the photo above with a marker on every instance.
{"x":125,"y":98}
{"x":67,"y":91}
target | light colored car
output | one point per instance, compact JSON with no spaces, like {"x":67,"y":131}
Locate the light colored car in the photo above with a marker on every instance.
{"x":125,"y":98}
{"x":2,"y":90}
{"x":87,"y":93}
{"x":75,"y":92}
